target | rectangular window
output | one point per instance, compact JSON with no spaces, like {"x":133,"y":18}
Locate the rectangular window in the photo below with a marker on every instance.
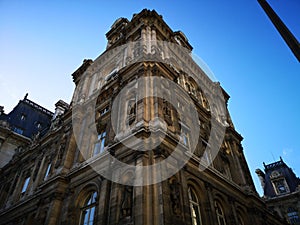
{"x":18,"y":130}
{"x":184,"y":136}
{"x":25,"y":185}
{"x":104,"y":111}
{"x":100,"y":143}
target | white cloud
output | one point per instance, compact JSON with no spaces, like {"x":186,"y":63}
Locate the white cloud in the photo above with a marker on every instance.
{"x":287,"y":152}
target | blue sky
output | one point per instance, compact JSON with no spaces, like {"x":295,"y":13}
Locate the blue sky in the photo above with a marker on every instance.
{"x":43,"y":42}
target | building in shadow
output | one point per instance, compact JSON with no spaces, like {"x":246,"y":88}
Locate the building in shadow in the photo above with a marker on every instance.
{"x":281,"y":190}
{"x":27,"y":121}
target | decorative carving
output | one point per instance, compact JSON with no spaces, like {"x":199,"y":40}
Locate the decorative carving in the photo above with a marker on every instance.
{"x":56,"y":123}
{"x":35,"y":139}
{"x":167,"y":112}
{"x":60,"y":152}
{"x":131,"y":111}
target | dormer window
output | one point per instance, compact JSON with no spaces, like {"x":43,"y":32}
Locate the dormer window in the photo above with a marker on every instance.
{"x":23,"y":117}
{"x":279,"y":183}
{"x":280,"y":186}
{"x":38,"y":125}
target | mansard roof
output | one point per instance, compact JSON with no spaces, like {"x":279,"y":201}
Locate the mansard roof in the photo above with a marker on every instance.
{"x":28,"y":118}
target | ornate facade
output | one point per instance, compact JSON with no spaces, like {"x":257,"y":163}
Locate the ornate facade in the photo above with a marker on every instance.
{"x":61,"y":178}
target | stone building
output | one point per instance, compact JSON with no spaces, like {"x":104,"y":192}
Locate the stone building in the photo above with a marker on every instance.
{"x":26,"y":121}
{"x":85,"y":170}
{"x":281,"y":190}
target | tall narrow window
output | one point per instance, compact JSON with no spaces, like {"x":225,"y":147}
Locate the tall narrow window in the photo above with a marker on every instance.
{"x":100,"y":143}
{"x":23,"y":117}
{"x":194,"y":207}
{"x":184,"y":136}
{"x":240,"y":220}
{"x":220,"y":214}
{"x":88,"y":210}
{"x":25,"y":185}
{"x":207,"y":153}
{"x":47,"y":171}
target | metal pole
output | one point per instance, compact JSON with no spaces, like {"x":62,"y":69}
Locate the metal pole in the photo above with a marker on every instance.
{"x":285,"y":33}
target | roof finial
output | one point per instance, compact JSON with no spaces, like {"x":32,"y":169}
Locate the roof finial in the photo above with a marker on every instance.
{"x":26,"y":96}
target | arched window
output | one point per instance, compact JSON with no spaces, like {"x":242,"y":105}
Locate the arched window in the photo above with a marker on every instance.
{"x":220,"y":214}
{"x":88,"y":211}
{"x":194,"y":207}
{"x":240,"y":220}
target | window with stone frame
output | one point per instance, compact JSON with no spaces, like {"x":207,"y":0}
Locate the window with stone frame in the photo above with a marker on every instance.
{"x":47,"y":171}
{"x":25,"y":185}
{"x":194,"y":206}
{"x":184,"y":134}
{"x":293,"y":215}
{"x":220,"y":213}
{"x":100,"y":143}
{"x":280,"y":186}
{"x":206,"y":152}
{"x":88,"y":211}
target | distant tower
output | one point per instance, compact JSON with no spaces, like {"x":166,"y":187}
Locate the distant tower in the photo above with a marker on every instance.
{"x":285,"y":33}
{"x":281,"y":190}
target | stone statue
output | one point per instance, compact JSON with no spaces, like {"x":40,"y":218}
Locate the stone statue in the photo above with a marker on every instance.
{"x":126,"y":205}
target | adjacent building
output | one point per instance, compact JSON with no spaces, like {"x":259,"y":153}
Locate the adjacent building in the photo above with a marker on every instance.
{"x":62,"y":177}
{"x":26,"y":121}
{"x":281,"y":190}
